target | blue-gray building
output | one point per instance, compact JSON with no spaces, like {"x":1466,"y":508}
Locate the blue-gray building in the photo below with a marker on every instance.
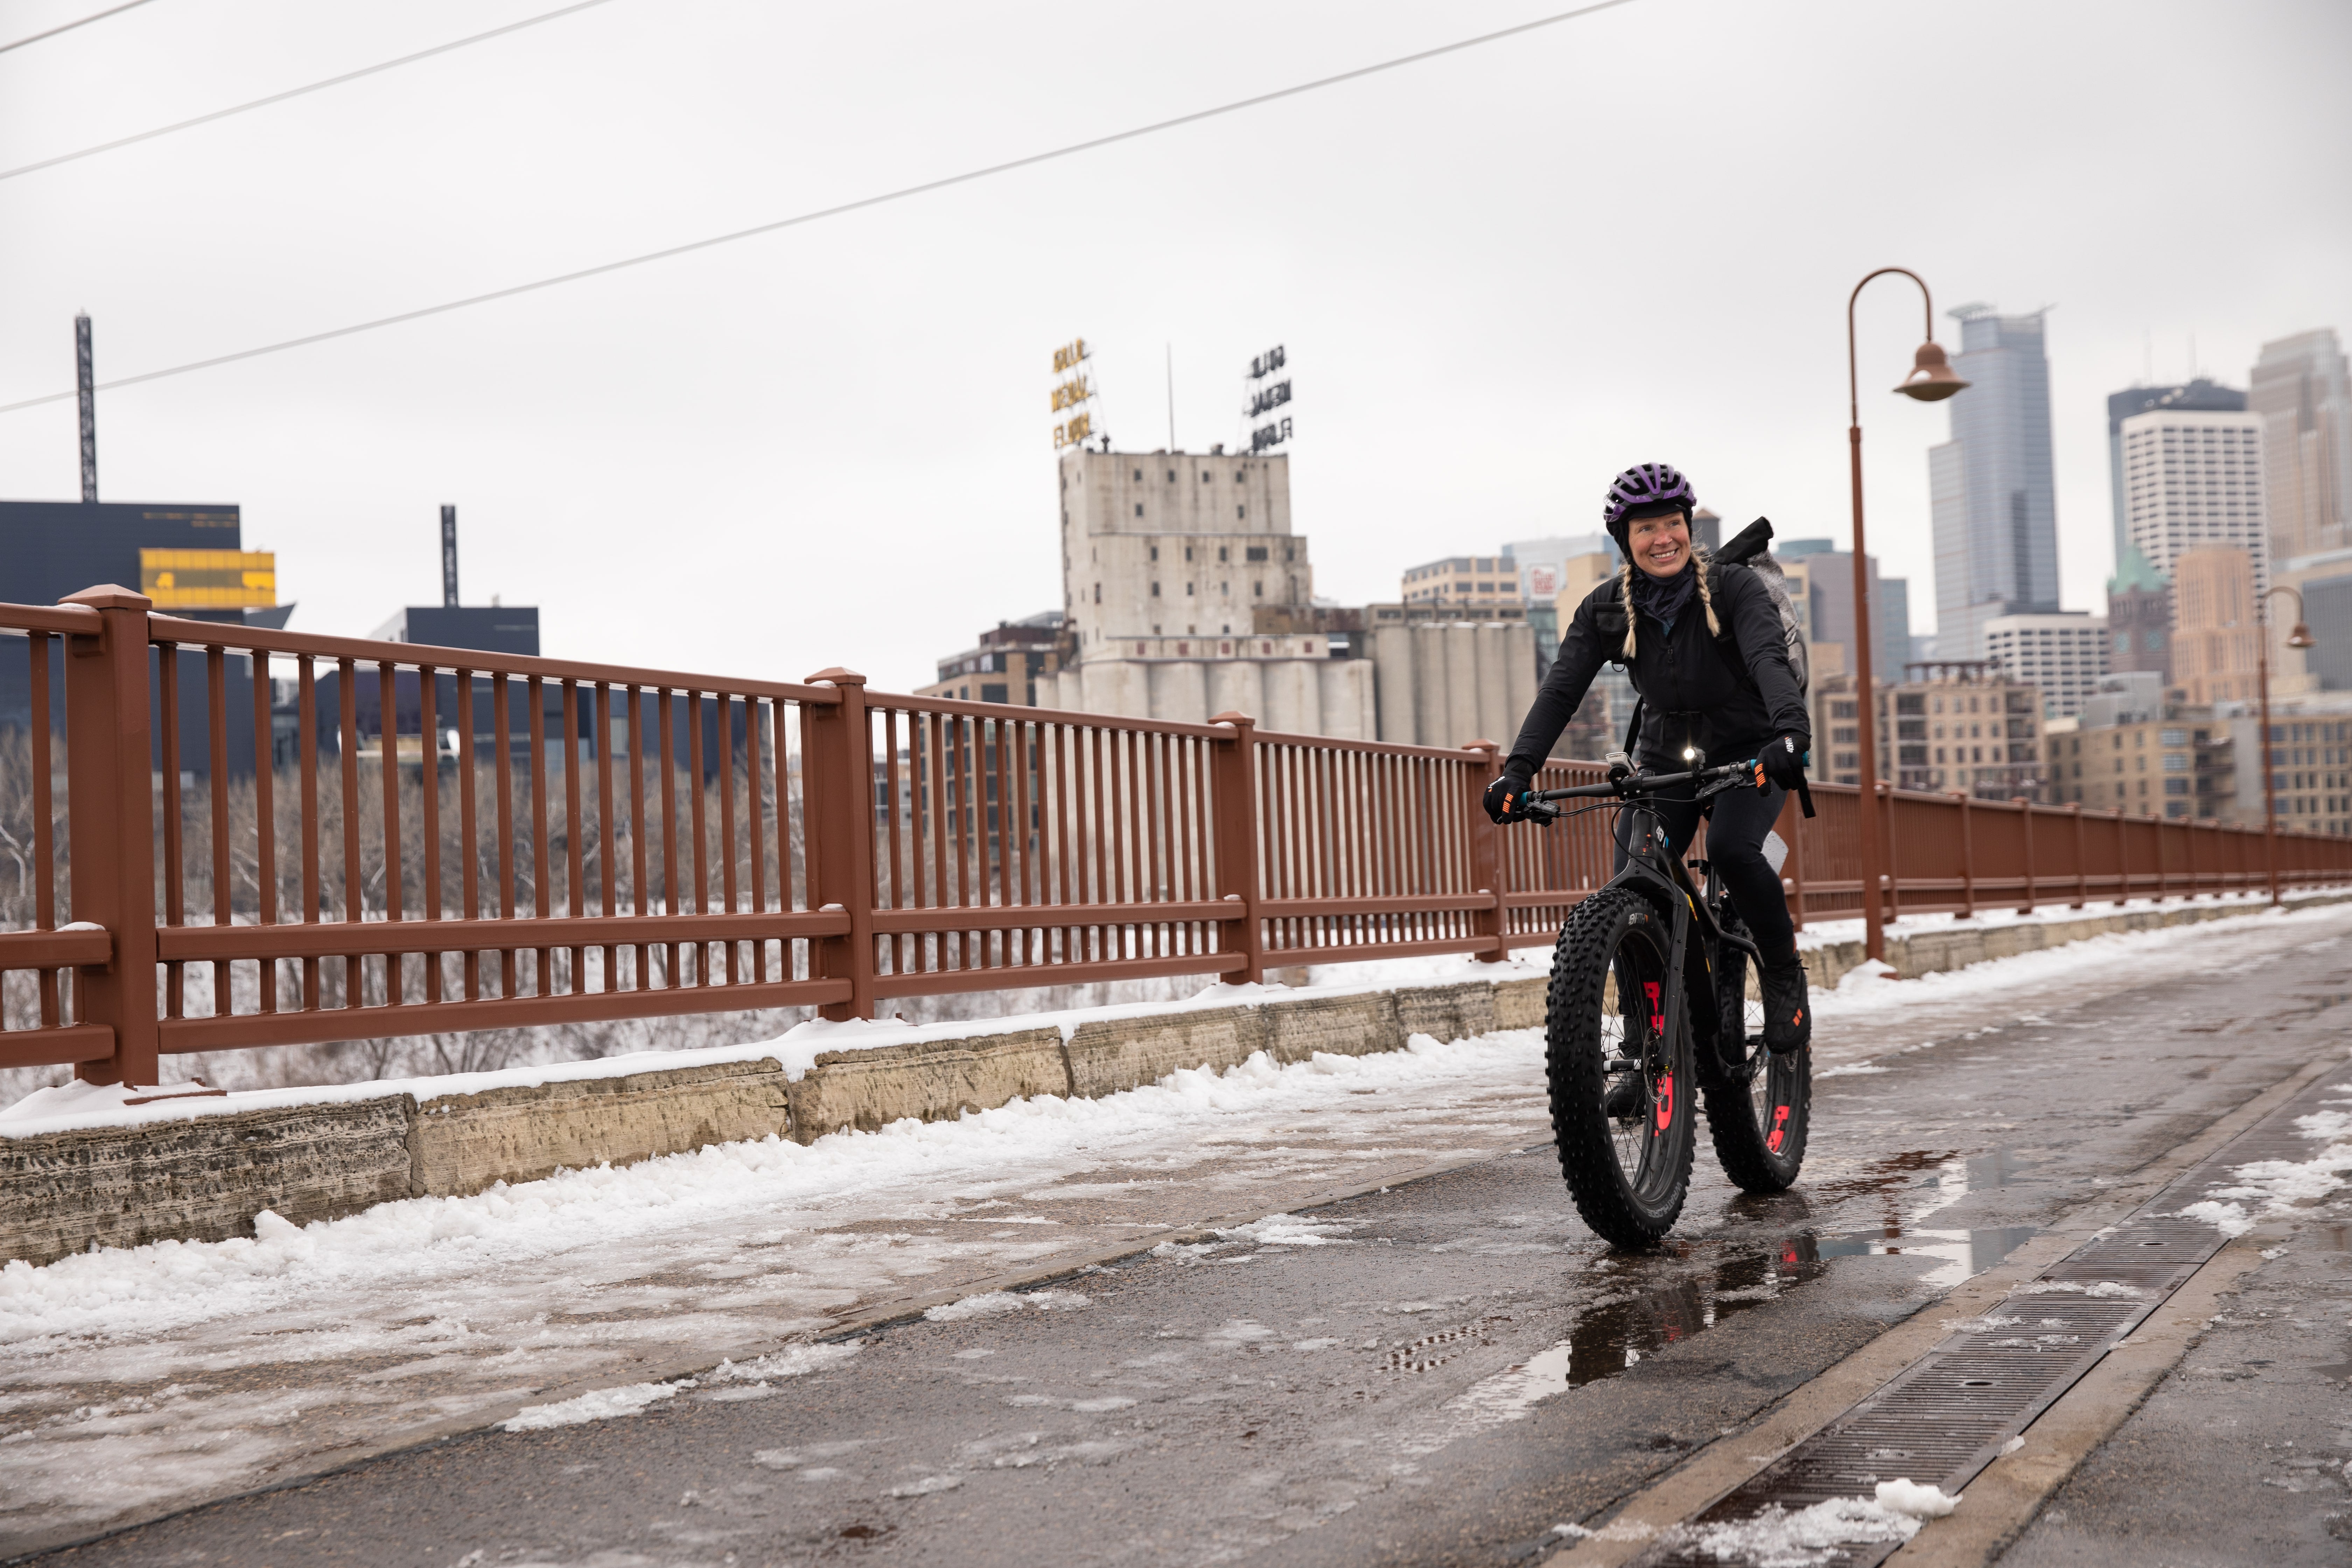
{"x":1995,"y":501}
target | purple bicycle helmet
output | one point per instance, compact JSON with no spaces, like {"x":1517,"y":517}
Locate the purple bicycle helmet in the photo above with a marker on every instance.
{"x":1646,"y":489}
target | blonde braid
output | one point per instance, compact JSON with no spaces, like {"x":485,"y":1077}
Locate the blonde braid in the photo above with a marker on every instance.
{"x":1706,"y":599}
{"x":1626,"y":593}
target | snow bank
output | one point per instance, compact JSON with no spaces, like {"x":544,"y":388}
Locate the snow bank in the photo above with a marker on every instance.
{"x":119,"y":1292}
{"x":77,"y":1105}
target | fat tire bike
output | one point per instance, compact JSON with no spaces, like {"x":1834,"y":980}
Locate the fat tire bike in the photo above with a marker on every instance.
{"x":1655,"y":991}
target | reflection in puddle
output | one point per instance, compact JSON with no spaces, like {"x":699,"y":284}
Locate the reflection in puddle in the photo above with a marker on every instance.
{"x":1616,"y":1335}
{"x":1965,"y":1252}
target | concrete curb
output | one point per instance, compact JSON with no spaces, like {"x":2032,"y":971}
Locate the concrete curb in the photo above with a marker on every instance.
{"x":206,"y":1179}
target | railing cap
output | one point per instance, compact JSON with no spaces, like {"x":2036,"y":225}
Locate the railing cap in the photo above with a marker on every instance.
{"x":835,"y":676}
{"x":109,"y":596}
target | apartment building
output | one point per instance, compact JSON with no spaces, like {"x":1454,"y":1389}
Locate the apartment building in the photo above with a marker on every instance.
{"x":1962,"y":725}
{"x":1465,"y":582}
{"x":2177,"y":762}
{"x":2062,"y":656}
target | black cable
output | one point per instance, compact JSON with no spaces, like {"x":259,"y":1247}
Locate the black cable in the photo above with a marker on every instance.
{"x":823,"y":213}
{"x":69,"y":26}
{"x":290,"y":92}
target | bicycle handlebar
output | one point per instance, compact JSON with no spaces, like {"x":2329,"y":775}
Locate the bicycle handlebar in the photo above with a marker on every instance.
{"x":1641,"y":783}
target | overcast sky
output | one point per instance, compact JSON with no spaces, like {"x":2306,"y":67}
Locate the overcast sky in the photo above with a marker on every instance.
{"x":1501,"y":276}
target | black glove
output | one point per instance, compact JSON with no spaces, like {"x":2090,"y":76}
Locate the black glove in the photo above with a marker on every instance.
{"x":1506,"y":797}
{"x":1782,"y":762}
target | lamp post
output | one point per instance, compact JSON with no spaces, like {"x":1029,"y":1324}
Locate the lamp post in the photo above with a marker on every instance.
{"x":1932,"y":379}
{"x":2300,"y":637}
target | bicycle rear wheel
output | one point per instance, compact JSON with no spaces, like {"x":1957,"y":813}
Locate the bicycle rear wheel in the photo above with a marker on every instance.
{"x":1758,"y":1105}
{"x":1621,"y":1090}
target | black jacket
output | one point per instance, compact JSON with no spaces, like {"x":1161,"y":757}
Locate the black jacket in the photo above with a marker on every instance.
{"x":1693,"y":691}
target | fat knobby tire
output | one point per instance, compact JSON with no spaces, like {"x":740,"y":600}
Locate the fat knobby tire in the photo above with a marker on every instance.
{"x":1573,"y":1059}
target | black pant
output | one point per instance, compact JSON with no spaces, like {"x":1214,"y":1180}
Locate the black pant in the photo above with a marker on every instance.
{"x":1738,"y":820}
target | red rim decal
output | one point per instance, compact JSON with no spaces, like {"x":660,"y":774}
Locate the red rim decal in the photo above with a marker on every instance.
{"x":1780,"y":1120}
{"x":1665,"y":1101}
{"x":1657,"y":1014}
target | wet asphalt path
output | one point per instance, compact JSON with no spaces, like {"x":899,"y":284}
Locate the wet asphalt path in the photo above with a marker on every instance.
{"x":1438,"y":1372}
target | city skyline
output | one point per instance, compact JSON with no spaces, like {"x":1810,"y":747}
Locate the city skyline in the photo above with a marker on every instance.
{"x":789,"y":402}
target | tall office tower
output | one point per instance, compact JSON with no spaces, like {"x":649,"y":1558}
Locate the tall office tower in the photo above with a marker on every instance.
{"x":2200,"y":396}
{"x":2303,"y":395}
{"x":2193,"y":479}
{"x":1995,"y":505}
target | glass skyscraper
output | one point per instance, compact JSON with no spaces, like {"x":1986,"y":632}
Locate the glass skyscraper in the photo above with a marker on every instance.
{"x":1995,"y":503}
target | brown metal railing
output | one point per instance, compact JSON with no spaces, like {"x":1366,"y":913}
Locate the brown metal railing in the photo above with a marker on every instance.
{"x":538,"y":841}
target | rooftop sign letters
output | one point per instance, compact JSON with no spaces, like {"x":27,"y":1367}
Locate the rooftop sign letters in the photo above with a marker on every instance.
{"x":1260,"y":396}
{"x":1074,"y":391}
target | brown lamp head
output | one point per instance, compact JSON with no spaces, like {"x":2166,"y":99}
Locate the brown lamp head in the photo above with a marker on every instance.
{"x":1932,"y":377}
{"x":2301,"y":636}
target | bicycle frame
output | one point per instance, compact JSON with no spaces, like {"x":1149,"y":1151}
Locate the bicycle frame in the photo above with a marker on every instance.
{"x":1659,"y":873}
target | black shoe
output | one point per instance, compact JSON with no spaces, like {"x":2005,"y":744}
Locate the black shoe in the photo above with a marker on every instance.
{"x":1625,"y":1097}
{"x":1788,"y":1012}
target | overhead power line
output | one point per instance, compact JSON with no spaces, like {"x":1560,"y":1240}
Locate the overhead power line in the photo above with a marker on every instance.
{"x":69,"y":26}
{"x":376,"y":69}
{"x":862,"y":204}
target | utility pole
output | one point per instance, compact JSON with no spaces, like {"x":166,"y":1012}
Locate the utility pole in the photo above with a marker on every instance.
{"x":450,"y":557}
{"x":86,"y":384}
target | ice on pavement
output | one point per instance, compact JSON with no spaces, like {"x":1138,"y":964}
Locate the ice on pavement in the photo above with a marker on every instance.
{"x":601,"y":1406}
{"x":995,"y":1302}
{"x":1294,"y":1230}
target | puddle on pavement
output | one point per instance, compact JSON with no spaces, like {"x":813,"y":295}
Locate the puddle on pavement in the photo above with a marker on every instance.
{"x":1964,"y":1253}
{"x":1610,"y":1338}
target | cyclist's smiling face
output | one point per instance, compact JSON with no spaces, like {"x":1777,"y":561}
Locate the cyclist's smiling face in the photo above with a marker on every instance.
{"x":1659,"y":545}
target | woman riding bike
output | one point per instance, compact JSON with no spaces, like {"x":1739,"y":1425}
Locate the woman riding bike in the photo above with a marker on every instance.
{"x":1703,"y":644}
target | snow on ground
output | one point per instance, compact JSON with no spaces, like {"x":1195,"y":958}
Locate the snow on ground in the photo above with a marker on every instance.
{"x":132,"y":1378}
{"x":2282,"y":1187}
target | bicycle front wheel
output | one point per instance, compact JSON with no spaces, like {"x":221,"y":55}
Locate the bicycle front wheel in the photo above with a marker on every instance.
{"x":1620,"y":1090}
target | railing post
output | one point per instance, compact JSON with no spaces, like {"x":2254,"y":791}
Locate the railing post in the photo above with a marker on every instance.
{"x":1892,"y":878}
{"x":2082,"y":857}
{"x":1233,"y":766}
{"x":2025,"y":808}
{"x":110,"y":791}
{"x":838,"y":787}
{"x":1968,"y":858}
{"x":1486,"y":854}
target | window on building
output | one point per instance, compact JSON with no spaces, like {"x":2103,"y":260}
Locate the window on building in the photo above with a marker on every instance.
{"x":1139,"y":508}
{"x":995,"y":690}
{"x":1155,"y":594}
{"x":1254,"y":552}
{"x":1139,"y":476}
{"x":1221,"y":552}
{"x":1241,"y":511}
{"x":1155,"y":553}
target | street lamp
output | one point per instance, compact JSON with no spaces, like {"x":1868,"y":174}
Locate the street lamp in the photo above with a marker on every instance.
{"x":1932,"y":379}
{"x":2299,"y":638}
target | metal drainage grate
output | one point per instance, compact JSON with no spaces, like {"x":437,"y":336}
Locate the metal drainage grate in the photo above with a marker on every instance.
{"x":1948,"y":1416}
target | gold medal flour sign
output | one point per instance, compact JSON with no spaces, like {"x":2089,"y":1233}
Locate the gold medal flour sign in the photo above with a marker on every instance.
{"x":1074,"y":395}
